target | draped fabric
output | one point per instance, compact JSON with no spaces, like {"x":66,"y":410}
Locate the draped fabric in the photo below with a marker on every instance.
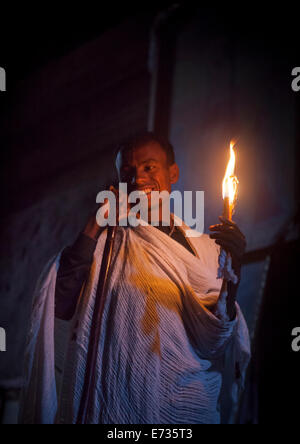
{"x":161,"y":351}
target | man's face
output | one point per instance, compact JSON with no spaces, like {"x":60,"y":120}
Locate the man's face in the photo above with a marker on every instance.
{"x":146,"y":169}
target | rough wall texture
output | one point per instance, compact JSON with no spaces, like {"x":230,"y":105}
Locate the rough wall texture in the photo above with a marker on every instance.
{"x":230,"y":84}
{"x":64,"y":123}
{"x":234,"y":82}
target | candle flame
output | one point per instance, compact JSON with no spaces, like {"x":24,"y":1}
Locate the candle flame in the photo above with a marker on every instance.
{"x":230,"y":181}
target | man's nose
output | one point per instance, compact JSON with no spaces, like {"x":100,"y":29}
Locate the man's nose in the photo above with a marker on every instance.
{"x":139,"y":177}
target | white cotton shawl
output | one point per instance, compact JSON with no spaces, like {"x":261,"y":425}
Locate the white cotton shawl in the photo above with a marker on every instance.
{"x":161,"y":350}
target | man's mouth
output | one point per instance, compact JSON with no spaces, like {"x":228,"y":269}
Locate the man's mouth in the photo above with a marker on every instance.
{"x":147,"y":189}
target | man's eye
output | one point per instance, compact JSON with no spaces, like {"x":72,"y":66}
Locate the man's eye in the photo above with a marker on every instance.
{"x":149,"y":167}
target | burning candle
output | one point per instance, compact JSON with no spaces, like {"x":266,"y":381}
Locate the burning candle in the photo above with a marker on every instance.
{"x":229,"y":186}
{"x":229,"y":191}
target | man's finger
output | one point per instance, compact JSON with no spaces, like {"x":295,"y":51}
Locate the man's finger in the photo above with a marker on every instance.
{"x":230,"y":237}
{"x":231,"y":248}
{"x":227,"y":229}
{"x":229,"y":223}
{"x":114,"y":190}
{"x":226,"y":225}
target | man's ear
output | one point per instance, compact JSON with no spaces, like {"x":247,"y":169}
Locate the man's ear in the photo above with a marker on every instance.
{"x":174,"y":173}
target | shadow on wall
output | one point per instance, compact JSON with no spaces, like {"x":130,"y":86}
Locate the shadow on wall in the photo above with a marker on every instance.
{"x":63,"y":124}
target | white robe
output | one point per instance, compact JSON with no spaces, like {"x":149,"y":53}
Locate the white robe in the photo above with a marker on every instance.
{"x":161,"y":350}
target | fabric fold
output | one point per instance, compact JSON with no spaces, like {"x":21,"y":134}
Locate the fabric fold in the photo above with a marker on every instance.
{"x":161,"y":349}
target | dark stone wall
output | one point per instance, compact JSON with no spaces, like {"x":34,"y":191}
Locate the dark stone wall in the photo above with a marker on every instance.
{"x":232,"y":80}
{"x":61,"y":131}
{"x":230,"y":83}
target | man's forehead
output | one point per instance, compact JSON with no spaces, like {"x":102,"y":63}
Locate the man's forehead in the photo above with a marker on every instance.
{"x":149,"y":151}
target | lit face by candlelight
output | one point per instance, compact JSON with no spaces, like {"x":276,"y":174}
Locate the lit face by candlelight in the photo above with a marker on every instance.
{"x":147,"y":169}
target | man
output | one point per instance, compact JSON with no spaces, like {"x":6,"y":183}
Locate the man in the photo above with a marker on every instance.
{"x":165,"y":329}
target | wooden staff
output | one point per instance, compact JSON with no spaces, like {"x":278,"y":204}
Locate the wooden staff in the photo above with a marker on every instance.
{"x":87,"y":397}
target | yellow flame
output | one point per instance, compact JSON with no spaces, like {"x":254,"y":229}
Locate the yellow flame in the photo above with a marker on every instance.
{"x":230,"y":181}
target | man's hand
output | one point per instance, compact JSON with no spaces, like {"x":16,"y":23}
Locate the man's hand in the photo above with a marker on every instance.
{"x":231,"y":239}
{"x":92,"y":228}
